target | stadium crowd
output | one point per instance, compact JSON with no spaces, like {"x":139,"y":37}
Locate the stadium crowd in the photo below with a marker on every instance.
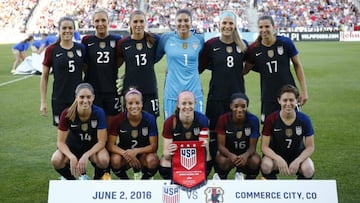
{"x":289,"y":15}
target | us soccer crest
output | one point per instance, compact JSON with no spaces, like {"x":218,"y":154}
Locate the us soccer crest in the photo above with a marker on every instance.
{"x":214,"y":194}
{"x":195,"y":45}
{"x":112,"y":43}
{"x":188,"y":157}
{"x":93,"y":123}
{"x":229,"y":49}
{"x":270,"y":53}
{"x":145,"y":131}
{"x":170,"y":194}
{"x":84,"y":127}
{"x":78,"y":52}
{"x":288,"y":132}
{"x":102,"y":45}
{"x":280,"y":50}
{"x":298,"y":130}
{"x":196,"y":131}
{"x":134,"y":133}
{"x":238,"y":49}
{"x":70,"y":54}
{"x":239,"y":134}
{"x":184,"y":45}
{"x":247,"y":131}
{"x":139,"y":46}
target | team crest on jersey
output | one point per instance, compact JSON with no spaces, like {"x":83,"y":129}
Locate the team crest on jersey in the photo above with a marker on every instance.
{"x":270,"y":53}
{"x":139,"y":46}
{"x":145,"y":131}
{"x":238,"y":49}
{"x":188,"y":135}
{"x":196,"y":131}
{"x":184,"y":45}
{"x":170,"y":194}
{"x":195,"y":45}
{"x":280,"y":50}
{"x":229,"y":49}
{"x":134,"y":133}
{"x":70,"y":54}
{"x":239,"y":134}
{"x":102,"y":45}
{"x":188,"y":157}
{"x":84,"y":127}
{"x":78,"y":52}
{"x":288,"y":132}
{"x":112,"y":43}
{"x":247,"y":131}
{"x":298,"y":130}
{"x":214,"y":194}
{"x":93,"y":123}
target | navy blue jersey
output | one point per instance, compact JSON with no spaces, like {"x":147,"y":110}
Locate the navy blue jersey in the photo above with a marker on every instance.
{"x":83,"y":134}
{"x":273,"y":64}
{"x":67,"y":67}
{"x":139,"y":57}
{"x":226,"y":63}
{"x":287,"y":141}
{"x":133,"y":136}
{"x":237,"y":140}
{"x":173,"y":129}
{"x":101,"y":60}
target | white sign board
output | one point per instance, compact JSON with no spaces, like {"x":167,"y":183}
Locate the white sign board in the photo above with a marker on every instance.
{"x":221,"y":191}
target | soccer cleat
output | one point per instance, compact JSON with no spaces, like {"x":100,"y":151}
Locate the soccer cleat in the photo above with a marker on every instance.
{"x":106,"y":176}
{"x":84,"y":177}
{"x":137,"y":175}
{"x":62,"y":178}
{"x":239,"y":176}
{"x":216,"y":176}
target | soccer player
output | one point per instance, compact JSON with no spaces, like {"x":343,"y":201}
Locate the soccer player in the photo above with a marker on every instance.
{"x":19,"y":51}
{"x":102,"y":66}
{"x":186,"y":124}
{"x":138,"y":139}
{"x":270,"y":56}
{"x":182,"y":48}
{"x":138,"y":53}
{"x":237,"y":135}
{"x":81,"y":137}
{"x":287,"y":141}
{"x":66,"y":58}
{"x":224,"y":56}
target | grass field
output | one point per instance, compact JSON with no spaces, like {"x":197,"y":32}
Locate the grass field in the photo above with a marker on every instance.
{"x":332,"y":70}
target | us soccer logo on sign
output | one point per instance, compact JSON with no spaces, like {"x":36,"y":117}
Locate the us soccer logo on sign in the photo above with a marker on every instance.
{"x":188,"y":157}
{"x":171,"y":194}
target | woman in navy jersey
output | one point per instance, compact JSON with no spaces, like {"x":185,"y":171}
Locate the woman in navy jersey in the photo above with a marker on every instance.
{"x":138,"y":52}
{"x":288,"y":139}
{"x":184,"y":125}
{"x":270,"y":55}
{"x":224,"y":56}
{"x":137,"y":133}
{"x":237,"y":136}
{"x":81,"y":137}
{"x":66,"y":59}
{"x":102,"y":65}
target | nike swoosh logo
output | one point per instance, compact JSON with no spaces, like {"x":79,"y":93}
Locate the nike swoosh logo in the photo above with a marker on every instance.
{"x":176,"y":134}
{"x":229,"y":132}
{"x":258,"y":54}
{"x":89,"y":45}
{"x":57,"y":55}
{"x":172,"y":44}
{"x":128,"y":47}
{"x":216,"y":49}
{"x":73,"y":126}
{"x":277,"y":129}
{"x":123,"y":131}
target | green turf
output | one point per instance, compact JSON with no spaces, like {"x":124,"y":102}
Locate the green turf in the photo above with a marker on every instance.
{"x":27,"y":140}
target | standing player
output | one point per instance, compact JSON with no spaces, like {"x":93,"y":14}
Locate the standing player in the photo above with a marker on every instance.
{"x":184,"y":125}
{"x":66,"y":59}
{"x":182,"y":49}
{"x":270,"y":56}
{"x":287,"y":141}
{"x":237,"y":134}
{"x":81,"y":136}
{"x":224,"y":56}
{"x":102,"y":66}
{"x":138,"y":139}
{"x":19,"y":51}
{"x":138,"y":53}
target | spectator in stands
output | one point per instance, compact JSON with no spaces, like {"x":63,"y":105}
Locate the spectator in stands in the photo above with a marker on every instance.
{"x":138,"y":52}
{"x":182,"y":48}
{"x":224,"y":56}
{"x":237,"y":134}
{"x":138,"y":139}
{"x":19,"y":50}
{"x":66,"y":58}
{"x":287,"y":141}
{"x":184,"y":125}
{"x":102,"y":64}
{"x":81,"y":137}
{"x":270,"y":55}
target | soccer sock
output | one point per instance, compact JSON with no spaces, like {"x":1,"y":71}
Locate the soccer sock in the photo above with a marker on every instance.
{"x":148,"y":173}
{"x":121,"y":173}
{"x":98,"y":173}
{"x":302,"y":177}
{"x":270,"y":176}
{"x":66,"y":173}
{"x":223,"y":173}
{"x":165,"y":172}
{"x":251,"y":173}
{"x":208,"y":167}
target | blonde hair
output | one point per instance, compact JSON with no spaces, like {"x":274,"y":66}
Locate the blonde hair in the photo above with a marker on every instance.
{"x":71,"y":114}
{"x":236,"y":35}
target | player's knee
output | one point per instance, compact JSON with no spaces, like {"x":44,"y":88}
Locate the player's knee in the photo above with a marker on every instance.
{"x":266,"y":165}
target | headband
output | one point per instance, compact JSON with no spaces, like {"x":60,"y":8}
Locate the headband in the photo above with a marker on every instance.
{"x":133,"y":91}
{"x":228,"y":14}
